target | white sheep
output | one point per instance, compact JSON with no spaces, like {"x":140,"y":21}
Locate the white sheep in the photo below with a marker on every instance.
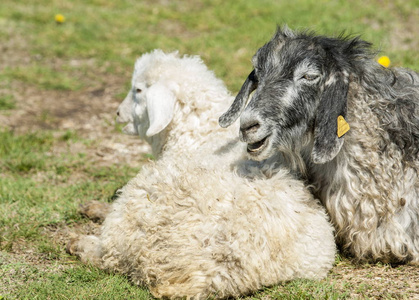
{"x":187,"y":226}
{"x":351,"y":124}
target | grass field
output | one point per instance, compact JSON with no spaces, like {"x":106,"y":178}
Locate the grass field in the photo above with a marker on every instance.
{"x":60,"y":85}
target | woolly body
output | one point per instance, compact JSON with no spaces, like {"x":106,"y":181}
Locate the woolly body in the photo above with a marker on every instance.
{"x":371,"y":189}
{"x":180,"y":236}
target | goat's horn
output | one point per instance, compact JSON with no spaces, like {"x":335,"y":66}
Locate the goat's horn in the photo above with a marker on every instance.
{"x":239,"y":103}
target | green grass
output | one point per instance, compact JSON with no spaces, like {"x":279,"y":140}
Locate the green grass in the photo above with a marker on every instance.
{"x":35,"y":195}
{"x":34,"y":192}
{"x":7,"y":102}
{"x":46,"y":78}
{"x":74,"y":282}
{"x":21,"y":154}
{"x":40,"y":188}
{"x":225,"y":33}
{"x":306,"y":289}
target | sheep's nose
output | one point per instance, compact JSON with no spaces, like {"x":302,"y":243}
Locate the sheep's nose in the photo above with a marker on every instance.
{"x":117,"y":113}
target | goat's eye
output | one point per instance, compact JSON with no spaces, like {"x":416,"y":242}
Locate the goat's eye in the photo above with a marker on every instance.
{"x":138,"y":90}
{"x":254,"y":75}
{"x":310,"y":77}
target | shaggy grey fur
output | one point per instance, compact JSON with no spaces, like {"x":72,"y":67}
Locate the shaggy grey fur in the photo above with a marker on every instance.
{"x":367,"y":178}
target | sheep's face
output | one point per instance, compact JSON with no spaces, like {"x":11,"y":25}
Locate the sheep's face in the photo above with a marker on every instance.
{"x":133,"y":111}
{"x":300,"y":85}
{"x":125,"y":114}
{"x":139,"y":109}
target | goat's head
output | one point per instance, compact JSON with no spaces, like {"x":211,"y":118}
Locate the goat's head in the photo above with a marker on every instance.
{"x":300,"y":83}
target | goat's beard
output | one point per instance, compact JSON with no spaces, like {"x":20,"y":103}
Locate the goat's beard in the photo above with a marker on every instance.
{"x":294,"y":160}
{"x":294,"y":153}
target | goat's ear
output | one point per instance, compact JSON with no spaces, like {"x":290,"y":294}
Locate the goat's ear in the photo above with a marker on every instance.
{"x":328,"y":135}
{"x":282,"y":33}
{"x":239,"y":103}
{"x":161,"y":98}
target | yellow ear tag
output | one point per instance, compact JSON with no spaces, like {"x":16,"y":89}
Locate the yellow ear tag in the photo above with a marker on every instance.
{"x":343,"y":126}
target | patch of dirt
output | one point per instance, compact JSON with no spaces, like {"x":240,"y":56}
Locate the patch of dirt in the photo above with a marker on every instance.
{"x":376,"y":281}
{"x":89,"y":113}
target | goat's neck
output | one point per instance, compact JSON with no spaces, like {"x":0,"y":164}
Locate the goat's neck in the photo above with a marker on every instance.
{"x":365,"y":133}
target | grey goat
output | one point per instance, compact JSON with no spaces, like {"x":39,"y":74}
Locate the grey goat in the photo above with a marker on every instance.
{"x":352,"y":128}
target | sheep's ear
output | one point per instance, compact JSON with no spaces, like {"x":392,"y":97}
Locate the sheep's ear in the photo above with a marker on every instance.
{"x":328,"y":134}
{"x":239,"y":103}
{"x":161,"y":100}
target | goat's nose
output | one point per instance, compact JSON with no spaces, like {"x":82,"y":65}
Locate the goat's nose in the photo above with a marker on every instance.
{"x":250,"y":127}
{"x":117,"y":113}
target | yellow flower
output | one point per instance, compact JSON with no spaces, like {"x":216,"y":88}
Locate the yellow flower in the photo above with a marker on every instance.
{"x":384,"y":61}
{"x":59,"y":18}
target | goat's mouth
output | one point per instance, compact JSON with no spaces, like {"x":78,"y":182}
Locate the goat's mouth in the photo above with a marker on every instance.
{"x":257,"y":147}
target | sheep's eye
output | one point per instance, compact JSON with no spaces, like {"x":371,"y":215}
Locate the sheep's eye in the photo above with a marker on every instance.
{"x":139,"y":90}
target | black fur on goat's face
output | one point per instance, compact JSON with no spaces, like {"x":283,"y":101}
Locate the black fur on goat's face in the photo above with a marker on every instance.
{"x":300,"y":84}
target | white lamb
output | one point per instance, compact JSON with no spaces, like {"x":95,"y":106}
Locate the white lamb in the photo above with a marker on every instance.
{"x":187,"y":227}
